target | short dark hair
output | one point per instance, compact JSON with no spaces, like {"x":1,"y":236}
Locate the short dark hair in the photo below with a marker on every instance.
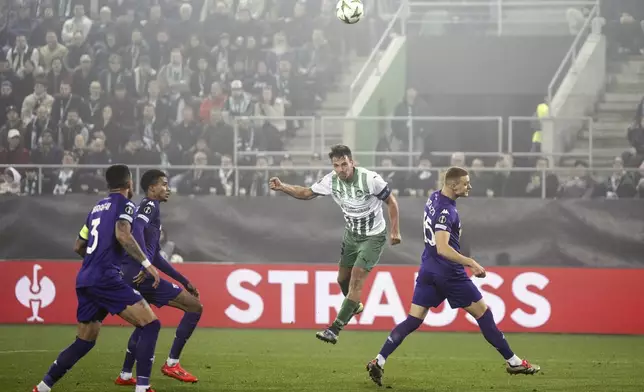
{"x":151,"y":177}
{"x":454,"y":173}
{"x":340,"y":151}
{"x":117,"y":176}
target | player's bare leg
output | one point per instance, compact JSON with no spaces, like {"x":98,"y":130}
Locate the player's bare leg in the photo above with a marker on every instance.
{"x":350,"y":304}
{"x":344,"y":279}
{"x":85,"y":341}
{"x":141,"y":316}
{"x":193,"y":309}
{"x":375,"y":367}
{"x":485,"y":319}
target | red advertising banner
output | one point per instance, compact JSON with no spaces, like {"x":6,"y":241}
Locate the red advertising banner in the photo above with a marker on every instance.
{"x":564,"y":300}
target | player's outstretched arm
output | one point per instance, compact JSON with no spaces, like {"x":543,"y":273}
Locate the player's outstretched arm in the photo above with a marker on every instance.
{"x":394,"y":219}
{"x":445,"y":250}
{"x":126,"y":239}
{"x":296,"y":191}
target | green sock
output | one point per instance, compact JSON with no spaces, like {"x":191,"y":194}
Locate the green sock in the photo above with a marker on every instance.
{"x":344,"y":315}
{"x":344,"y":286}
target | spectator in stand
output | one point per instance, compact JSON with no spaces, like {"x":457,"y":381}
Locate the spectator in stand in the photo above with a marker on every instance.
{"x":171,"y":153}
{"x":49,"y":22}
{"x":24,"y":24}
{"x":257,"y":181}
{"x":79,"y":22}
{"x":316,"y":63}
{"x":482,"y":181}
{"x":137,"y":48}
{"x":57,"y":75}
{"x":219,"y":135}
{"x":36,"y":129}
{"x":10,"y":182}
{"x":269,"y":112}
{"x":95,"y":103}
{"x":411,"y":106}
{"x":51,"y":50}
{"x":174,"y":76}
{"x":33,"y":101}
{"x":66,"y":102}
{"x":115,"y":75}
{"x":187,"y":132}
{"x":225,"y":177}
{"x":198,"y":181}
{"x":261,"y":79}
{"x":47,"y":153}
{"x":67,"y":178}
{"x":115,"y":137}
{"x":14,"y":153}
{"x":143,"y":74}
{"x":101,"y":27}
{"x":620,"y":185}
{"x":98,"y":154}
{"x":7,"y":98}
{"x":580,"y":185}
{"x":201,"y":79}
{"x":421,"y":182}
{"x":77,"y":49}
{"x":26,"y":79}
{"x":314,"y":175}
{"x":239,"y":103}
{"x":19,"y":54}
{"x":395,"y":178}
{"x":149,"y":128}
{"x":287,"y":172}
{"x":534,"y":188}
{"x":123,"y":108}
{"x":508,"y":183}
{"x":640,"y":184}
{"x":214,"y":101}
{"x":13,"y":123}
{"x":72,"y":126}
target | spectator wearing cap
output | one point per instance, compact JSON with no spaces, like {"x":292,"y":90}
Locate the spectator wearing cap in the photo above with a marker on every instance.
{"x":14,"y":153}
{"x":49,"y":22}
{"x":115,"y":75}
{"x":35,"y":100}
{"x":7,"y":98}
{"x":132,"y":53}
{"x":56,"y":75}
{"x":239,"y":103}
{"x":20,"y":53}
{"x":201,"y":80}
{"x":79,"y":22}
{"x":13,"y":123}
{"x":174,"y":76}
{"x":214,"y":101}
{"x":46,"y":152}
{"x":51,"y":50}
{"x":142,"y":75}
{"x":83,"y":77}
{"x":77,"y":49}
{"x":34,"y":131}
{"x":66,"y":101}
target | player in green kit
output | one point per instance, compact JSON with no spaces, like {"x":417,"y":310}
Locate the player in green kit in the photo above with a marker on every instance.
{"x":360,"y":193}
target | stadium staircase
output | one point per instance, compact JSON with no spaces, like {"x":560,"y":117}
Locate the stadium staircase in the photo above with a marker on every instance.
{"x":335,"y":104}
{"x":615,"y":111}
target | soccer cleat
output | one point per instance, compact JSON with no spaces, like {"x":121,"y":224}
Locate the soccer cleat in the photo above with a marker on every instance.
{"x":360,"y":308}
{"x":178,"y":373}
{"x":524,"y":368}
{"x":375,"y":372}
{"x":327,"y":336}
{"x":122,"y":382}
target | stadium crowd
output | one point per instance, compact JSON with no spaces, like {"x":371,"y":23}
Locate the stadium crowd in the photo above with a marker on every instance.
{"x":157,"y":82}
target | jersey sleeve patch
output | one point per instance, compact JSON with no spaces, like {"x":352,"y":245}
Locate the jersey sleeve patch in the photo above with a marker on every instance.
{"x":84,"y":233}
{"x":127,"y":213}
{"x":443,"y":222}
{"x":380,"y":188}
{"x":146,"y":211}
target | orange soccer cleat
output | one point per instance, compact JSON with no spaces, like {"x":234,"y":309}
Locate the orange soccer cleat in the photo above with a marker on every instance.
{"x":129,"y":382}
{"x":178,"y":373}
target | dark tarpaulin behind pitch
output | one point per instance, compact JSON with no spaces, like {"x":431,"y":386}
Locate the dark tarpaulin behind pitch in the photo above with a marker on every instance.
{"x":283,"y":230}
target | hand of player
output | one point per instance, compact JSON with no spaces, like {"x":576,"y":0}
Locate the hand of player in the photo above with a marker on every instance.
{"x":275,"y":184}
{"x":140,"y":277}
{"x":192,"y":289}
{"x":477,"y":269}
{"x":395,"y":238}
{"x":155,"y":274}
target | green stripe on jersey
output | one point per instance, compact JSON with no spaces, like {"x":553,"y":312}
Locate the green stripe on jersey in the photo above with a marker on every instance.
{"x":363,"y":185}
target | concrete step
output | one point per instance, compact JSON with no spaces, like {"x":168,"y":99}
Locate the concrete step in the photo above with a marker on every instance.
{"x":600,"y":144}
{"x":616,"y":107}
{"x":627,"y":79}
{"x":611,"y":127}
{"x":607,"y":152}
{"x":632,"y":98}
{"x":628,"y":87}
{"x":614,"y":117}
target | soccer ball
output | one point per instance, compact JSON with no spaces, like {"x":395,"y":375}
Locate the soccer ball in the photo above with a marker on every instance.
{"x":349,"y":11}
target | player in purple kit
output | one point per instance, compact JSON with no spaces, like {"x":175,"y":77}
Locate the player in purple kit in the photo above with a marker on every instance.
{"x":146,"y":229}
{"x":100,"y":287}
{"x":442,"y":276}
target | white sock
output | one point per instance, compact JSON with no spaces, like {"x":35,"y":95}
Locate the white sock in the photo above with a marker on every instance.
{"x":515,"y":361}
{"x":381,"y":360}
{"x":171,"y":362}
{"x":126,"y":376}
{"x":42,"y":387}
{"x":142,"y":388}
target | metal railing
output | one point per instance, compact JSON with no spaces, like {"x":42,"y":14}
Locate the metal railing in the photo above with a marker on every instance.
{"x":267,"y":171}
{"x":373,"y":61}
{"x":495,"y":14}
{"x":571,"y":56}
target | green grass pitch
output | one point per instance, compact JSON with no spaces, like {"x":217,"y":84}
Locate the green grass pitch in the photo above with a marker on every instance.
{"x":265,"y":360}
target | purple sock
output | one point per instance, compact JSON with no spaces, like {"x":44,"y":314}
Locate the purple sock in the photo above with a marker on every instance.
{"x":184,"y":331}
{"x":493,"y":335}
{"x":66,"y":359}
{"x":130,"y":353}
{"x":398,"y":334}
{"x":145,"y":352}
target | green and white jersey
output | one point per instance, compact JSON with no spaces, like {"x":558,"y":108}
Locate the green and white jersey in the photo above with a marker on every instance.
{"x":360,"y":199}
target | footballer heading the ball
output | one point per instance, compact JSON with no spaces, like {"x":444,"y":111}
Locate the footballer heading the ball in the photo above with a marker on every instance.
{"x":349,"y":11}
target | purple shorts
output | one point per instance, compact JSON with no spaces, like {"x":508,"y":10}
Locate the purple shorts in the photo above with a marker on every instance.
{"x":160,"y":296}
{"x":431,"y":290}
{"x":95,"y":302}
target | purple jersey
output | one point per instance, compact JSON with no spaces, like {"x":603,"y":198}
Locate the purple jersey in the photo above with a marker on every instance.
{"x":441,"y":215}
{"x":146,"y":229}
{"x":104,"y":253}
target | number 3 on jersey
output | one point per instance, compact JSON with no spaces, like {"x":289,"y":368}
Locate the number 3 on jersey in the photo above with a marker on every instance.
{"x":428,"y":230}
{"x":93,"y":236}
